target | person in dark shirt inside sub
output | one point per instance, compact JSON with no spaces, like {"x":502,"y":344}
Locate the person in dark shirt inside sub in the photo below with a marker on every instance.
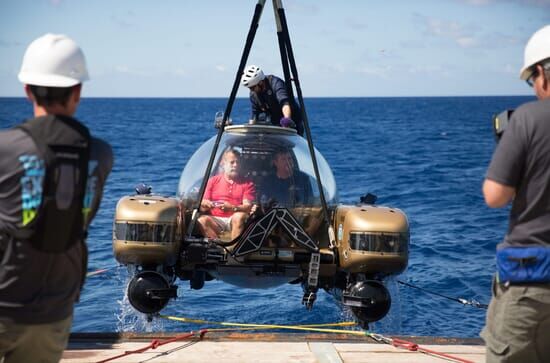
{"x":288,"y":187}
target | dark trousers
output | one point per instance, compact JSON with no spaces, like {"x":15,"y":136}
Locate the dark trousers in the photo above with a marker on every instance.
{"x":43,"y":343}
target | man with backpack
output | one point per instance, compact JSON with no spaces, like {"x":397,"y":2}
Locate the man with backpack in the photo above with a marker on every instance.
{"x":52,"y":173}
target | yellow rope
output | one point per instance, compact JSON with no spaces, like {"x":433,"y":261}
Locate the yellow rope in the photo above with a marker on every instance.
{"x":310,"y":327}
{"x":262,"y":327}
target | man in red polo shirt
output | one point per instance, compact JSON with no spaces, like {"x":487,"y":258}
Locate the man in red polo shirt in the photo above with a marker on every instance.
{"x":227,"y":199}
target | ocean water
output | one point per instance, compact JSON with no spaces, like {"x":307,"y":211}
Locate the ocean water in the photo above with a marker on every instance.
{"x":426,"y":156}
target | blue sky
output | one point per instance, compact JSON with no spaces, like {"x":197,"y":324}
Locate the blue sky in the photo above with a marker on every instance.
{"x":179,"y":48}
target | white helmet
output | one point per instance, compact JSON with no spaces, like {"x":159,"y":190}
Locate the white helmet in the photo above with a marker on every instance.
{"x":536,"y":50}
{"x":252,"y":76}
{"x":53,"y":60}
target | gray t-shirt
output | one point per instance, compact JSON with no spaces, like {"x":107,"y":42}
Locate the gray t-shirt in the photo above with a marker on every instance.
{"x":38,"y":287}
{"x":522,"y":160}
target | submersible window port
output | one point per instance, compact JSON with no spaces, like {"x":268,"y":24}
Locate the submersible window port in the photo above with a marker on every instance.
{"x":140,"y":232}
{"x":378,"y":242}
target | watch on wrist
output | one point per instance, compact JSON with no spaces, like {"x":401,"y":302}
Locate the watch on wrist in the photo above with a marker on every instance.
{"x":235,"y":209}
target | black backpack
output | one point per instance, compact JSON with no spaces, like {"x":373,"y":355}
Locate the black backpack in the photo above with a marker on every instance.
{"x":64,"y":145}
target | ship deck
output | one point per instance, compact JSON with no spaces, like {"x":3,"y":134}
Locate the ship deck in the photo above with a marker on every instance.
{"x":264,"y":347}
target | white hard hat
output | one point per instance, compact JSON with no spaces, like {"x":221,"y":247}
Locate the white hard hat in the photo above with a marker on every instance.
{"x":252,"y":76}
{"x":53,"y":60}
{"x":536,"y":50}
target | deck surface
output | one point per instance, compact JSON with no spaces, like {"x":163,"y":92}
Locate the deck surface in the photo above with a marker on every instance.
{"x":272,"y":348}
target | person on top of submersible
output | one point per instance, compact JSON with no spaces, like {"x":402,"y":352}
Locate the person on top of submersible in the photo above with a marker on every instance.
{"x":270,"y":100}
{"x":52,"y":173}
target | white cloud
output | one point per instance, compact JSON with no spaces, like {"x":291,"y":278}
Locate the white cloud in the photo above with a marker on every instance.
{"x":461,"y":35}
{"x":301,"y":8}
{"x":425,"y":69}
{"x":180,"y":72}
{"x":122,"y":69}
{"x":356,"y":24}
{"x":466,"y":42}
{"x":221,"y":68}
{"x":379,"y":71}
{"x":465,"y":36}
{"x":441,"y":28}
{"x":313,"y":68}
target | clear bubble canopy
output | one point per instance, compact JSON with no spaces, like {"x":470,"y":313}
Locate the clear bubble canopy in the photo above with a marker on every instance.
{"x":275,"y":159}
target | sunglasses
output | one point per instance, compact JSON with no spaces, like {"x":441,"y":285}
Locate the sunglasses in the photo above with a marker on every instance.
{"x":531,"y":80}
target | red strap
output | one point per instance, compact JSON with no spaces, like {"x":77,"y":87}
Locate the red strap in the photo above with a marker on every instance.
{"x":400,"y":343}
{"x":429,"y":351}
{"x":413,"y":347}
{"x":155,"y":343}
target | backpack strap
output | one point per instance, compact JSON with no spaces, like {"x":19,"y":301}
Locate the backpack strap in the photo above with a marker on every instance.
{"x":64,"y":145}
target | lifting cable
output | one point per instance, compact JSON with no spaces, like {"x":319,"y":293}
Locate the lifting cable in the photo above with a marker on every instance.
{"x":459,"y":299}
{"x":283,"y":53}
{"x":287,"y":58}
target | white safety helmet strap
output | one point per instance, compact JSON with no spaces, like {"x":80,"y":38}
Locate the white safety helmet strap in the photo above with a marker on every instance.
{"x":53,"y":60}
{"x":536,"y":50}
